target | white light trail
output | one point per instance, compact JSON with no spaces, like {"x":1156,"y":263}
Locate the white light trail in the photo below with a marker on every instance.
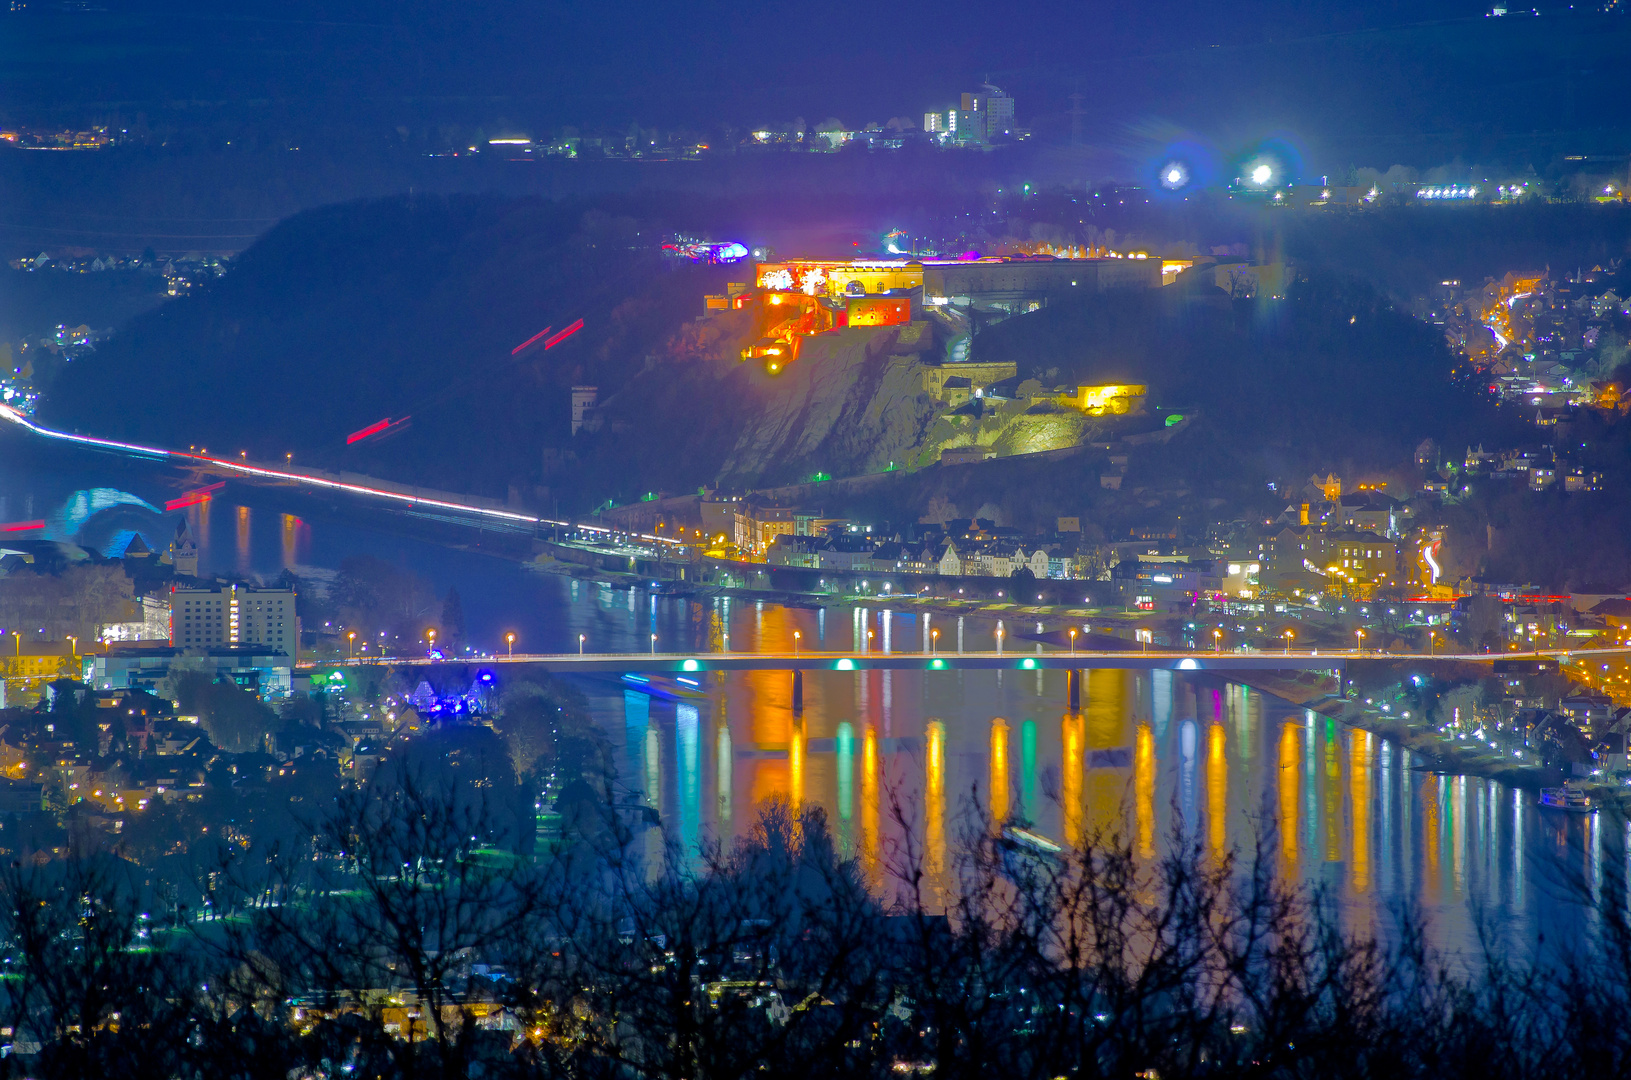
{"x":292,"y":476}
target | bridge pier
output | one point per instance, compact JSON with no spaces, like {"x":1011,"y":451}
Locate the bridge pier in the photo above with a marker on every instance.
{"x":1073,"y":689}
{"x":798,"y":692}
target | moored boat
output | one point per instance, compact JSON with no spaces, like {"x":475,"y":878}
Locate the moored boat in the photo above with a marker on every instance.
{"x":1567,"y":799}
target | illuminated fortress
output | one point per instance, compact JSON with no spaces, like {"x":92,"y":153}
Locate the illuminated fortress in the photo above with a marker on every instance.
{"x":798,"y":298}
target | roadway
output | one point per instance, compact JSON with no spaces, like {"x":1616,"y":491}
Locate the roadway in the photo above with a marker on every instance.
{"x":804,"y":660}
{"x":409,"y":498}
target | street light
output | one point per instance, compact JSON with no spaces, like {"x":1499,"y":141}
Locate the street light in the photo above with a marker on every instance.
{"x":1289,"y":635}
{"x":1359,"y":641}
{"x":795,"y":642}
{"x":1432,"y":643}
{"x":999,"y":639}
{"x":1073,"y":641}
{"x":351,"y":645}
{"x":1217,"y":640}
{"x":509,"y":639}
{"x":934,"y":642}
{"x":653,"y":644}
{"x":581,"y":639}
{"x":432,"y":633}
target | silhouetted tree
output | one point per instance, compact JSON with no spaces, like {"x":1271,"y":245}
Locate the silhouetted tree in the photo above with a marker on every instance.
{"x":452,"y":628}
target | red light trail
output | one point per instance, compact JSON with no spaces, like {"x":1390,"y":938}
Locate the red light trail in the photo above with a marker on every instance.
{"x":563,"y":335}
{"x":515,"y":351}
{"x":21,"y":526}
{"x":371,"y":429}
{"x":193,"y":498}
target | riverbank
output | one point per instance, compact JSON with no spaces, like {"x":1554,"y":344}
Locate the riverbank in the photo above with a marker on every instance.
{"x":545,"y":564}
{"x":1321,"y":693}
{"x":1108,"y":621}
{"x":1438,"y":752}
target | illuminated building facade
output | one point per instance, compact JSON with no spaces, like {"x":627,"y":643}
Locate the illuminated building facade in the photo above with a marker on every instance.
{"x":262,"y":671}
{"x":234,"y":615}
{"x":877,"y":311}
{"x":1116,"y":399}
{"x":973,"y":375}
{"x":834,"y":278}
{"x":802,"y":297}
{"x":978,"y":118}
{"x":998,"y":108}
{"x":1348,"y":562}
{"x":757,"y":526}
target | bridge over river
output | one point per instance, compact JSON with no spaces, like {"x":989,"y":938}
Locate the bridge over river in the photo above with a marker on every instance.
{"x":588,"y":663}
{"x":1074,"y":663}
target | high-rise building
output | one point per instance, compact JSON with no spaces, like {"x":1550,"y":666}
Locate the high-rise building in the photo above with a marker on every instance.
{"x":999,"y":114}
{"x":985,"y":115}
{"x":934,"y":122}
{"x":216,"y":615}
{"x":966,"y":125}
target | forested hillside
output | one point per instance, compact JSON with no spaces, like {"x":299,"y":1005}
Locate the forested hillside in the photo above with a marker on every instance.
{"x":411,"y":306}
{"x":394,"y":307}
{"x":1332,"y":374}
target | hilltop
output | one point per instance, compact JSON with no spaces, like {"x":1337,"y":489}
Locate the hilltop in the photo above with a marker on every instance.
{"x":410,"y":306}
{"x":393,"y":307}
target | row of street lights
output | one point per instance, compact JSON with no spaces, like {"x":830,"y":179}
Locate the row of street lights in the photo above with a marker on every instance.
{"x":934,"y":641}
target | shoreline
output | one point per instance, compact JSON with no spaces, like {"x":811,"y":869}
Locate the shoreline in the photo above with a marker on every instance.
{"x":1307,"y":690}
{"x":1438,"y":753}
{"x":995,"y":609}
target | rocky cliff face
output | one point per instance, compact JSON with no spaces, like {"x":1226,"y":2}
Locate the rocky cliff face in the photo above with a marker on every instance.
{"x":852,"y":403}
{"x":1004,"y":428}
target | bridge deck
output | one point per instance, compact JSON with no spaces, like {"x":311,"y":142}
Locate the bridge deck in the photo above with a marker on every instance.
{"x":805,"y":660}
{"x":679,"y":663}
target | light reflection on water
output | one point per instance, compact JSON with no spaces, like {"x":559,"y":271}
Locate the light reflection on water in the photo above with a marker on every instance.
{"x":1148,"y":752}
{"x":1151,"y":754}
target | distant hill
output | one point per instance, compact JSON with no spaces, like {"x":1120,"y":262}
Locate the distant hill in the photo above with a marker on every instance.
{"x":341,"y":316}
{"x":1332,"y":373}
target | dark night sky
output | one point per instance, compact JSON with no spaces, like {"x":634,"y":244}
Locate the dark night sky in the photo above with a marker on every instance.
{"x":1189,"y":63}
{"x":688,"y":60}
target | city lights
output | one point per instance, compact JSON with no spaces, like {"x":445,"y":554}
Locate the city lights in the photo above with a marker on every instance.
{"x":1453,"y":191}
{"x":1174,"y":175}
{"x":1213,"y":348}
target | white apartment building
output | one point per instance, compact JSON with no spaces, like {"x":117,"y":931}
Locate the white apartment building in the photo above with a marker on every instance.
{"x":205,"y":618}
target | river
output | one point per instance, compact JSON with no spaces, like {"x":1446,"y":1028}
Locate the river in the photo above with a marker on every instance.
{"x":1154,"y":754}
